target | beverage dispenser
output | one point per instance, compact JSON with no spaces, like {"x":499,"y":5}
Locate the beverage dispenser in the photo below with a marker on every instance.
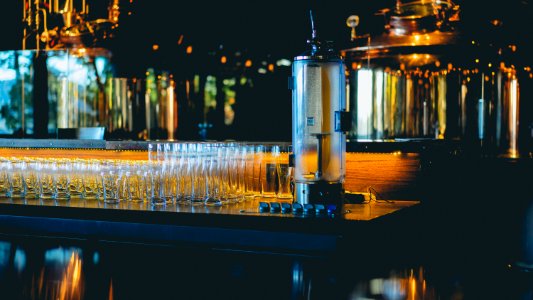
{"x":318,"y":123}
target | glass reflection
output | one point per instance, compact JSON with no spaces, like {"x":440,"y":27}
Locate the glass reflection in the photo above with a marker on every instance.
{"x":409,"y":284}
{"x":61,"y":277}
{"x":32,"y":268}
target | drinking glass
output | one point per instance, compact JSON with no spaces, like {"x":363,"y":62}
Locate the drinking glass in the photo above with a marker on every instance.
{"x":154,"y":183}
{"x":268,"y":171}
{"x":199,"y":174}
{"x":29,"y":173}
{"x":284,"y":173}
{"x":5,"y":169}
{"x":92,"y":184}
{"x":213,"y":180}
{"x":136,"y":181}
{"x":62,"y":177}
{"x":76,"y":187}
{"x":180,"y":172}
{"x":47,"y":179}
{"x":110,"y":176}
{"x":17,"y":186}
{"x":231,"y":172}
{"x":259,"y":151}
{"x":240,"y":167}
{"x":248,"y":172}
{"x":169,"y":178}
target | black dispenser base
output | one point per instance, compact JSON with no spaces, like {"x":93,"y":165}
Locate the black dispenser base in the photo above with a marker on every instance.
{"x":319,"y":192}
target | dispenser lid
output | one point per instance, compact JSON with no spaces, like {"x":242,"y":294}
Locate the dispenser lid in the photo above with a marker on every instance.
{"x":316,"y":48}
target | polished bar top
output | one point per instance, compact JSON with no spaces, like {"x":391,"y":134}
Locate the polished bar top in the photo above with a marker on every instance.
{"x":234,"y":226}
{"x":352,"y":212}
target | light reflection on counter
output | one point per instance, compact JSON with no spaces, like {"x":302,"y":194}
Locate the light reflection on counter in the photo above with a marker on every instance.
{"x":408,"y":284}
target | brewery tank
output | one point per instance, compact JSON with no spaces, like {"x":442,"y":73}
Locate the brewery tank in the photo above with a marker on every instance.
{"x":427,"y":76}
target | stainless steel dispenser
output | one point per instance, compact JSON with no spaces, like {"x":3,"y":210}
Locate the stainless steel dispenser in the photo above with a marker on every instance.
{"x":318,"y":107}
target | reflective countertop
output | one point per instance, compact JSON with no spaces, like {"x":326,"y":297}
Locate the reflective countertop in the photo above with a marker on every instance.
{"x":352,"y":212}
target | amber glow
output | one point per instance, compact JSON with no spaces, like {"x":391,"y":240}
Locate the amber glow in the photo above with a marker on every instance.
{"x":496,"y":22}
{"x":75,"y":153}
{"x":248,"y":63}
{"x":223,"y":59}
{"x":189,"y":50}
{"x":71,"y":285}
{"x":271,"y":67}
{"x":155,"y":47}
{"x":388,"y":173}
{"x":385,"y":172}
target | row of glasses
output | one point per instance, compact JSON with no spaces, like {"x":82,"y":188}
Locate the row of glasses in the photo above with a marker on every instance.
{"x":200,"y":173}
{"x":186,"y":173}
{"x":65,"y":179}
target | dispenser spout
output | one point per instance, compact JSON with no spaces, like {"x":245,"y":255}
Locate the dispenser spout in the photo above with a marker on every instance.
{"x":313,"y":29}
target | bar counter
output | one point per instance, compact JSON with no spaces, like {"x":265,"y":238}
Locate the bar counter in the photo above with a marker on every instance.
{"x":237,"y":226}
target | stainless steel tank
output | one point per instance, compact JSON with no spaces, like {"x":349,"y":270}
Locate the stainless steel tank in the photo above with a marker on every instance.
{"x":319,"y":143}
{"x":44,"y":90}
{"x":425,"y":77}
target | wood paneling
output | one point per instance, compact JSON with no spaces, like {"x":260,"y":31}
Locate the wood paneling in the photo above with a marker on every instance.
{"x":392,"y":175}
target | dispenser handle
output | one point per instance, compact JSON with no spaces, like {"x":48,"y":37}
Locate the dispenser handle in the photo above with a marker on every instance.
{"x":343,"y":122}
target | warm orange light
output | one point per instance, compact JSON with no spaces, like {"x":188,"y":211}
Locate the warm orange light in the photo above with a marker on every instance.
{"x":271,"y":67}
{"x":155,"y":47}
{"x":180,"y":39}
{"x":189,"y":49}
{"x":496,"y":22}
{"x":395,"y":170}
{"x":71,"y":284}
{"x":223,"y":59}
{"x":248,"y":63}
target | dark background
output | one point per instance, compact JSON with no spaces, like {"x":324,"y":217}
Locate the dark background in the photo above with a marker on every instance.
{"x":259,"y":31}
{"x":276,"y":27}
